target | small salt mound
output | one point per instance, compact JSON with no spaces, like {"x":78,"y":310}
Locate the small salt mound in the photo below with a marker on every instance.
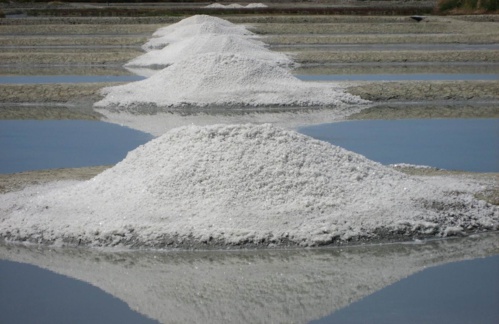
{"x":215,"y":5}
{"x":236,"y":6}
{"x":202,"y":44}
{"x":237,"y":184}
{"x":256,"y":5}
{"x":224,"y":79}
{"x":190,"y":21}
{"x":179,"y":33}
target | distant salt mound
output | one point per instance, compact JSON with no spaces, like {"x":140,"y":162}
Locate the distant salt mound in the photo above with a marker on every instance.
{"x":225,"y":80}
{"x":236,"y":6}
{"x":239,"y":184}
{"x":190,"y":21}
{"x":180,"y":33}
{"x":209,"y":43}
{"x":256,"y":5}
{"x":216,"y":5}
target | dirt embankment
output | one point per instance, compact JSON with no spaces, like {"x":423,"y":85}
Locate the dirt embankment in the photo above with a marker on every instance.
{"x":424,"y":90}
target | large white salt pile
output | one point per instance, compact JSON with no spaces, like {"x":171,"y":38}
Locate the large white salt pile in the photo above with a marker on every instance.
{"x":241,"y":184}
{"x":224,"y":79}
{"x":208,"y":43}
{"x":201,"y":25}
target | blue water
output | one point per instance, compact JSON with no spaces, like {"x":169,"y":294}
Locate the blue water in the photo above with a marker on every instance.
{"x":29,"y":294}
{"x":461,"y":292}
{"x":453,"y":144}
{"x":400,"y":77}
{"x":38,"y":79}
{"x":32,"y":144}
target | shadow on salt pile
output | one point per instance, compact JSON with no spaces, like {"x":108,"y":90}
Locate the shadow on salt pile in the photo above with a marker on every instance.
{"x":288,"y":286}
{"x":243,"y":185}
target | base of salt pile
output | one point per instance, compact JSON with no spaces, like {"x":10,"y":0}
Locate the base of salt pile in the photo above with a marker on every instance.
{"x":242,"y":185}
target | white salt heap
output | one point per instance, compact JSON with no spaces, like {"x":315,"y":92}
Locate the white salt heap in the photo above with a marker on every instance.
{"x":235,"y":5}
{"x":193,"y":27}
{"x":190,"y":21}
{"x":241,"y":184}
{"x":208,"y":43}
{"x":224,"y":79}
{"x":219,"y":66}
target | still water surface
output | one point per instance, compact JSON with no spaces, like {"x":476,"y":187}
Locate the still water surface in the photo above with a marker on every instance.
{"x":33,"y":144}
{"x":453,"y":144}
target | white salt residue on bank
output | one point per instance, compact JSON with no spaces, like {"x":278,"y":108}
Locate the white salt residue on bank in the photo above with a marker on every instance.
{"x":243,"y":185}
{"x":224,"y":80}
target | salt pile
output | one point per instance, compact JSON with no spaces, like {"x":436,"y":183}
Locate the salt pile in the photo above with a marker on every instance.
{"x":236,"y":6}
{"x":191,"y":27}
{"x":208,"y":43}
{"x":256,"y":5}
{"x":241,"y":185}
{"x":223,"y":80}
{"x":226,"y":69}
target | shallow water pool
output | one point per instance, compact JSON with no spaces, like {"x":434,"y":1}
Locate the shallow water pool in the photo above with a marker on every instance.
{"x":48,"y":144}
{"x":453,"y":144}
{"x":47,"y":79}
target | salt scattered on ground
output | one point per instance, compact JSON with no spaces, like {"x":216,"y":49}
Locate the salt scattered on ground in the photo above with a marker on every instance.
{"x":242,"y":185}
{"x":207,"y":43}
{"x":224,"y":80}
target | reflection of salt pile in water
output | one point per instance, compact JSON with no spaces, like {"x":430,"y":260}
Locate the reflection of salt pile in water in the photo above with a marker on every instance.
{"x":191,"y":27}
{"x":209,"y":43}
{"x":241,"y":184}
{"x":224,"y":79}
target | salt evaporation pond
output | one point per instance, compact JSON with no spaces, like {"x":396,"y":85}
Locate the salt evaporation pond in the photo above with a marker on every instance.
{"x":462,"y":292}
{"x":34,"y":144}
{"x":30,"y":294}
{"x":239,"y":185}
{"x":44,"y":79}
{"x":452,"y":144}
{"x":268,"y":286}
